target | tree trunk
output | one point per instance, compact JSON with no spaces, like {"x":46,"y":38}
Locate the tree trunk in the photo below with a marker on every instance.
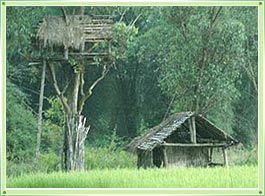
{"x":73,"y":98}
{"x":37,"y":155}
{"x":76,"y":133}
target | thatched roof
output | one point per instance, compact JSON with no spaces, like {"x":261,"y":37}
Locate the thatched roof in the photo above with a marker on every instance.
{"x":54,"y":30}
{"x":205,"y":132}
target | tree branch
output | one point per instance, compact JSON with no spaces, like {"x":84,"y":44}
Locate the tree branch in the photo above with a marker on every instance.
{"x":90,"y":89}
{"x":205,"y":56}
{"x":216,"y":15}
{"x":65,"y":16}
{"x":135,"y":20}
{"x":82,"y":82}
{"x":121,"y":18}
{"x":57,"y":89}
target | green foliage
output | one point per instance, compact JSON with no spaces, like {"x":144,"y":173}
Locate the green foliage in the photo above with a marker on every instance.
{"x":21,"y":125}
{"x":55,"y":112}
{"x":106,"y":158}
{"x":239,"y":156}
{"x":52,"y":133}
{"x":252,"y":157}
{"x":49,"y":162}
{"x":95,"y":158}
{"x":13,"y":168}
{"x":201,"y":65}
{"x":122,"y":37}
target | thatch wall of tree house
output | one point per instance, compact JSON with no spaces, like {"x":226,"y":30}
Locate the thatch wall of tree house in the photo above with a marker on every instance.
{"x":170,"y":143}
{"x":54,"y":31}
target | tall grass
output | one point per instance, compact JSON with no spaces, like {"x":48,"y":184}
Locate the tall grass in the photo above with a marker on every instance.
{"x":232,"y":177}
{"x":95,"y":158}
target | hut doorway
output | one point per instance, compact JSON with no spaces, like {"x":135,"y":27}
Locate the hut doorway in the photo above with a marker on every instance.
{"x":158,"y":157}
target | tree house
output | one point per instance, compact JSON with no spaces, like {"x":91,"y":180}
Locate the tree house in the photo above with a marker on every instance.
{"x":69,"y":39}
{"x":78,"y":36}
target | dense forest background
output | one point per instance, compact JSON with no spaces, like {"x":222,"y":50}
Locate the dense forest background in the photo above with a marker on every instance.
{"x":202,"y":59}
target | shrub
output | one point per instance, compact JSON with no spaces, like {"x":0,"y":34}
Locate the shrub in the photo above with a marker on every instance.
{"x":49,"y":162}
{"x":101,"y":158}
{"x":243,"y":156}
{"x":17,"y":169}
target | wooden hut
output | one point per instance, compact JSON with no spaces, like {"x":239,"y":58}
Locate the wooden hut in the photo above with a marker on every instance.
{"x":182,"y":140}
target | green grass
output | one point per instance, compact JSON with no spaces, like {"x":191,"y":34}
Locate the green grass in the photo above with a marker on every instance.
{"x":232,"y":177}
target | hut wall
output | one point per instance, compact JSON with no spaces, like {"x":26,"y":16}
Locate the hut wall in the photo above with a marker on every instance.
{"x":144,"y":158}
{"x":187,"y":156}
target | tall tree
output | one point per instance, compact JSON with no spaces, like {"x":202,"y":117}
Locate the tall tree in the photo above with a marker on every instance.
{"x":204,"y":57}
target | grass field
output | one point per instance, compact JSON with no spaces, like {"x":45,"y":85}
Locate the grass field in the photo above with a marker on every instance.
{"x":232,"y":177}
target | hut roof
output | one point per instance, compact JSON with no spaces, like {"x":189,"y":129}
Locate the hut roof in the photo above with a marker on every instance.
{"x":205,"y":131}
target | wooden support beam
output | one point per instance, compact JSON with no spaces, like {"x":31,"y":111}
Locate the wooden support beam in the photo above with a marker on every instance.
{"x":195,"y":145}
{"x":210,"y":154}
{"x":205,"y":140}
{"x":192,"y":128}
{"x":165,"y":157}
{"x":151,"y":159}
{"x":225,"y":157}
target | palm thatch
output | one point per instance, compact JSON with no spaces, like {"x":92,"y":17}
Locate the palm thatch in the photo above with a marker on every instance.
{"x":55,"y":31}
{"x":74,"y":32}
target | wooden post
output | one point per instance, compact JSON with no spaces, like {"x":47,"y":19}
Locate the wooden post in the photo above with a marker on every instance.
{"x":37,"y":154}
{"x":210,"y":154}
{"x":165,"y":157}
{"x":192,"y":128}
{"x":225,"y":157}
{"x":151,"y":159}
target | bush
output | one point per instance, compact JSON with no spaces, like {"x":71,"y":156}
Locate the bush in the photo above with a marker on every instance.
{"x":17,"y":169}
{"x":49,"y":162}
{"x":243,"y":156}
{"x":252,"y":157}
{"x":101,"y":158}
{"x":21,"y":126}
